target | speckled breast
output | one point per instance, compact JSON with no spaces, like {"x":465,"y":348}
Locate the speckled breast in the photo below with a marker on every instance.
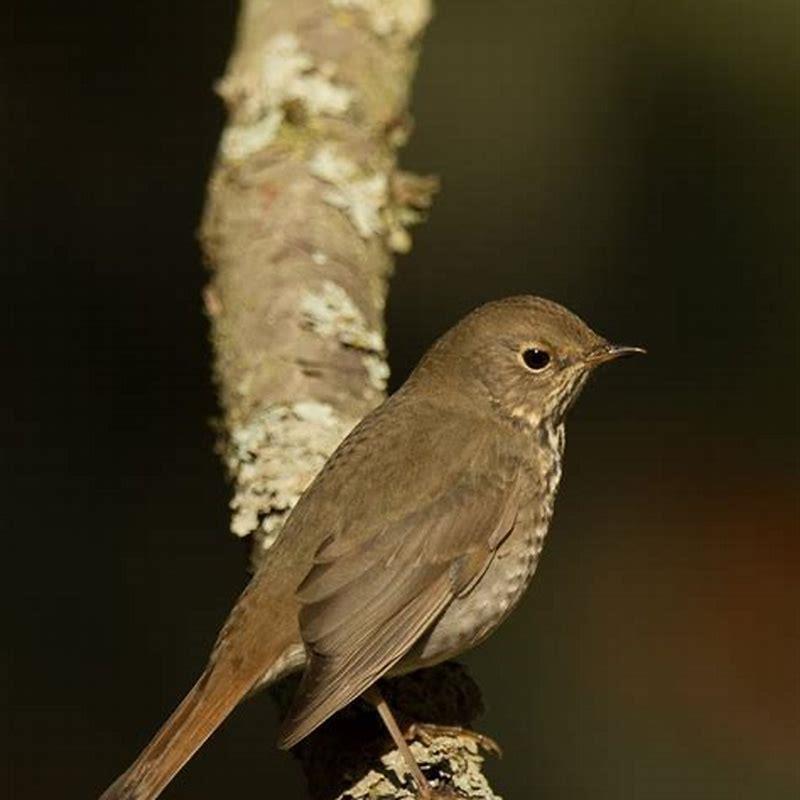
{"x":468,"y":620}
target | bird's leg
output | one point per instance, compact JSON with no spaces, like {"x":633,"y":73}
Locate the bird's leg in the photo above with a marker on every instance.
{"x":375,"y":698}
{"x":427,"y":732}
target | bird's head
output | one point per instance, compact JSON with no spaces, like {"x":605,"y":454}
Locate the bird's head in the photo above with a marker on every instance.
{"x":529,"y":356}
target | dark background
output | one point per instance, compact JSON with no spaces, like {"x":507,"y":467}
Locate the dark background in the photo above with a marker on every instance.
{"x":635,"y":161}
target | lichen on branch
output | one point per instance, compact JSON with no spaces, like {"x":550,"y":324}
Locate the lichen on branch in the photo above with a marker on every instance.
{"x":298,"y":230}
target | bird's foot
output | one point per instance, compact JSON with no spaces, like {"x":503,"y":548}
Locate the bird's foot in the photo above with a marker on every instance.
{"x":427,"y":732}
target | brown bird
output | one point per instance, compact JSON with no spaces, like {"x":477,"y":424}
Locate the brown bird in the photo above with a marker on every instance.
{"x":413,"y":543}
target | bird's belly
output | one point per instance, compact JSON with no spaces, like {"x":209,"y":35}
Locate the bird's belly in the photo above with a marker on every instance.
{"x":470,"y":619}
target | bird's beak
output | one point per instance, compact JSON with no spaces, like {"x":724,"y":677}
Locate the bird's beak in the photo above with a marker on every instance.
{"x":611,"y":352}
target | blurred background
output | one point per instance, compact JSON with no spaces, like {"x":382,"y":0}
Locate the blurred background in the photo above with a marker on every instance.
{"x":637,"y":162}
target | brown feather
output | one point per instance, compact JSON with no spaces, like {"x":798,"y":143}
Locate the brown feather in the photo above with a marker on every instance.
{"x":330,"y":684}
{"x":194,"y":720}
{"x":243,"y":654}
{"x":379,"y":583}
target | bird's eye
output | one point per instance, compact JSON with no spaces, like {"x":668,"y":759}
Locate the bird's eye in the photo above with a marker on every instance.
{"x":536,"y":359}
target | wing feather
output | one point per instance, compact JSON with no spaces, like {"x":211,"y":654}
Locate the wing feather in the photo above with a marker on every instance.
{"x":380,"y":582}
{"x":332,"y":683}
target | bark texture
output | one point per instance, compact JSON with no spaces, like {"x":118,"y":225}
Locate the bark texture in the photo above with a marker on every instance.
{"x":305,"y":206}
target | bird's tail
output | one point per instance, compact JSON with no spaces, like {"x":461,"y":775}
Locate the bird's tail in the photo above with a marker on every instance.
{"x":258,"y":631}
{"x":202,"y":710}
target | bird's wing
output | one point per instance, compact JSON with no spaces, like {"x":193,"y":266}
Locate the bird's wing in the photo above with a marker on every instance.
{"x":373,"y":591}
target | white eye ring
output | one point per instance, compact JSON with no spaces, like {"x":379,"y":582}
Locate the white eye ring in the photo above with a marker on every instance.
{"x":535,"y":359}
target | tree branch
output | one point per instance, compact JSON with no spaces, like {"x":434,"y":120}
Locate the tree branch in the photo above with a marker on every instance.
{"x":305,"y":206}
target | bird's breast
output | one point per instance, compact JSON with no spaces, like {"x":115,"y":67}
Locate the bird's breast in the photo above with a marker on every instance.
{"x":468,"y":620}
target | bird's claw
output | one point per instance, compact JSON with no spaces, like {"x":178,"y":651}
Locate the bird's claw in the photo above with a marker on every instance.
{"x":427,"y":732}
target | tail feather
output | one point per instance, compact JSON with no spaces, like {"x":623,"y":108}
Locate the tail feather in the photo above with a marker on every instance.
{"x":262,"y":625}
{"x":193,"y":721}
